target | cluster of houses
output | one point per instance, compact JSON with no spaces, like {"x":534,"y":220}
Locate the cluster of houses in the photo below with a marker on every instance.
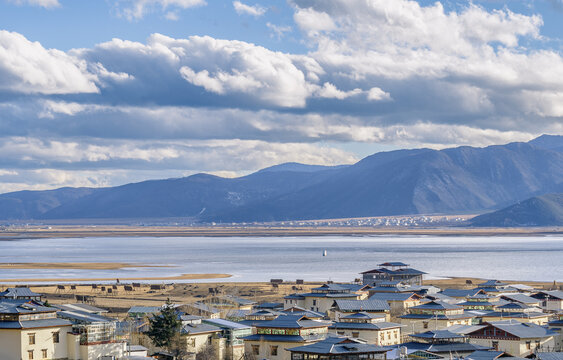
{"x":390,"y":314}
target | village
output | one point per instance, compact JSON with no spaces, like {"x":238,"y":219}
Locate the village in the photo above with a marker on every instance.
{"x":389,"y":312}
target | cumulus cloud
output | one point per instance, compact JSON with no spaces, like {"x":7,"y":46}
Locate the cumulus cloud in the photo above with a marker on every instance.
{"x":254,"y":10}
{"x":137,"y":9}
{"x":27,"y":67}
{"x":278,"y":31}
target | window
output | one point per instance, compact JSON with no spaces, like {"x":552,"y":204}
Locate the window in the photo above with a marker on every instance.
{"x":314,"y":302}
{"x":30,"y":354}
{"x":340,"y":332}
{"x":538,"y":344}
{"x":355,"y":334}
{"x":274,"y":350}
{"x":528,"y":345}
{"x":56,"y":337}
{"x":495,"y":345}
{"x":425,"y":325}
{"x":44,"y":353}
{"x":256,"y":349}
{"x":31,"y":340}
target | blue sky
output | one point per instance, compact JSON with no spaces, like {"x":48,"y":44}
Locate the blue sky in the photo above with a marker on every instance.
{"x":105,"y":92}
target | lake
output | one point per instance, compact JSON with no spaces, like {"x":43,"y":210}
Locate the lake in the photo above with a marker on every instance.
{"x":260,"y":259}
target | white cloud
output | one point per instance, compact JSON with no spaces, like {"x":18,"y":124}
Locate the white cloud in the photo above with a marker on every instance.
{"x":254,"y":10}
{"x":376,"y":94}
{"x":330,"y":91}
{"x":278,"y":31}
{"x":42,"y":3}
{"x":27,"y":67}
{"x":137,"y":9}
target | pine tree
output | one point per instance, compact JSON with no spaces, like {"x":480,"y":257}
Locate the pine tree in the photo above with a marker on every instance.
{"x":164,"y":326}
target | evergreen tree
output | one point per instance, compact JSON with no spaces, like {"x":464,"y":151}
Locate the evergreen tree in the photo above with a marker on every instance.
{"x":164,"y":327}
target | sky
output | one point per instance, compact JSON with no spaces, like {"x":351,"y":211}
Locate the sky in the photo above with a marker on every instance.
{"x":106,"y":92}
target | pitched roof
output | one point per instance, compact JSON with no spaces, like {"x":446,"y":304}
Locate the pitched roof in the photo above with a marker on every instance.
{"x":393,"y":296}
{"x":437,"y":334}
{"x":484,"y":355}
{"x":144,"y":309}
{"x":460,"y":292}
{"x":521,"y":330}
{"x":365,"y":326}
{"x":226,"y":324}
{"x":190,"y":329}
{"x":549,"y":355}
{"x":393,"y":263}
{"x":436,"y":305}
{"x":521,"y":298}
{"x":339,"y":345}
{"x":77,"y":316}
{"x":331,"y":287}
{"x":363,"y":315}
{"x":362,"y":305}
{"x":23,"y":306}
{"x":14,"y":293}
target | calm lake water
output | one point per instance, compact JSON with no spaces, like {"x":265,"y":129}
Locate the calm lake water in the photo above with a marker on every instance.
{"x":260,"y":259}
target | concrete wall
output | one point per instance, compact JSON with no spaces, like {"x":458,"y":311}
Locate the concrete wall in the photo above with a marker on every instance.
{"x":517,"y":348}
{"x":94,"y":352}
{"x":10,"y":345}
{"x":375,"y":337}
{"x":265,"y":348}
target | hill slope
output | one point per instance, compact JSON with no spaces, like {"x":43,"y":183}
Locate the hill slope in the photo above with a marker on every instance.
{"x":545,"y":210}
{"x":419,"y":181}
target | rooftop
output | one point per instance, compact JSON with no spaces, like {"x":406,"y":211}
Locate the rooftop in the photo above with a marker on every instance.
{"x":339,"y":346}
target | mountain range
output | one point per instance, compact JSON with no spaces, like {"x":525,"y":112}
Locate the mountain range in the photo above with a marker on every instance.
{"x":417,"y":181}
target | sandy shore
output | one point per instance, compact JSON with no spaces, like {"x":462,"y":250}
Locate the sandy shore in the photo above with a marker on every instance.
{"x":93,"y":280}
{"x":81,"y":266}
{"x":79,"y":231}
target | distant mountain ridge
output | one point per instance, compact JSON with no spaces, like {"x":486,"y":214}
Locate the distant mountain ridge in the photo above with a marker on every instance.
{"x":545,"y":210}
{"x":402,"y":182}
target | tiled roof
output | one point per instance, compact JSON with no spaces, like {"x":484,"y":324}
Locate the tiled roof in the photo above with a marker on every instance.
{"x":549,"y":355}
{"x":226,"y":324}
{"x":22,"y":306}
{"x":190,"y":329}
{"x":522,"y":298}
{"x":362,"y":305}
{"x":401,"y":296}
{"x":484,"y":355}
{"x":436,"y":305}
{"x":459,"y":292}
{"x":437,"y":334}
{"x":522,"y":330}
{"x":365,"y":326}
{"x":338,"y":345}
{"x":32,"y":324}
{"x":14,"y":293}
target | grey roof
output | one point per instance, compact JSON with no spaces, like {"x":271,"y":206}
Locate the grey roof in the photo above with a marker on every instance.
{"x":465,"y":315}
{"x":190,"y":329}
{"x":362,"y":305}
{"x":521,"y":298}
{"x":522,"y":330}
{"x":226,"y":324}
{"x":330,"y":295}
{"x":484,"y":355}
{"x":451,"y":347}
{"x":83,"y":317}
{"x":81,"y":307}
{"x":23,"y":306}
{"x":514,"y":305}
{"x":203,"y":307}
{"x":364,"y":326}
{"x":363,"y":315}
{"x":393,"y":263}
{"x":457,"y":293}
{"x":294,"y":296}
{"x":549,"y":355}
{"x":437,"y":334}
{"x":269,"y":305}
{"x":465,"y":329}
{"x":338,"y":345}
{"x":436,"y":305}
{"x":144,"y":309}
{"x":331,"y":287}
{"x":394,"y":296}
{"x":14,"y":293}
{"x":284,"y":338}
{"x":32,"y":324}
{"x":558,"y":294}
